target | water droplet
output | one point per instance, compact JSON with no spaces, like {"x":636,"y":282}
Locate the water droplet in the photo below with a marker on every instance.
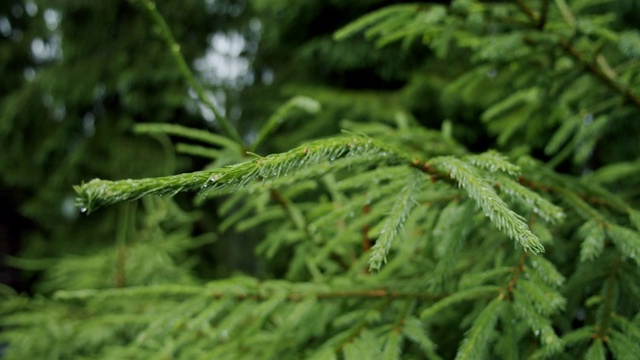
{"x":83,"y":209}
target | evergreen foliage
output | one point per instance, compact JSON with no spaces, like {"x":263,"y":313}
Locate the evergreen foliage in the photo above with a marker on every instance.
{"x":388,"y":240}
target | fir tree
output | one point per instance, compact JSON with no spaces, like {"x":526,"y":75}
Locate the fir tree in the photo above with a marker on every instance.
{"x":397,"y":240}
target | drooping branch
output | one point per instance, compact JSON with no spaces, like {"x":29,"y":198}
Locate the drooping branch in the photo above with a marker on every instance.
{"x":98,"y":193}
{"x":482,"y":192}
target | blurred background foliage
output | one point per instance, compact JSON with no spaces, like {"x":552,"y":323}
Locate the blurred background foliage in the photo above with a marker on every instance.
{"x":77,"y":76}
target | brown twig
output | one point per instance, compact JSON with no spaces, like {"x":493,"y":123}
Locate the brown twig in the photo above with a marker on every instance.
{"x":544,"y":11}
{"x":379,"y":293}
{"x":529,"y":11}
{"x":599,"y":73}
{"x":606,"y":77}
{"x":516,"y":275}
{"x":603,"y":327}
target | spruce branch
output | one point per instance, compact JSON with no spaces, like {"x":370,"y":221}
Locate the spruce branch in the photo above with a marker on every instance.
{"x":185,"y":132}
{"x":628,"y":327}
{"x":594,"y":237}
{"x":634,"y":218}
{"x":597,"y":70}
{"x":392,"y":228}
{"x":475,"y":279}
{"x":480,"y":190}
{"x":373,"y":18}
{"x":413,"y":329}
{"x":452,"y":228}
{"x":358,"y":329}
{"x":174,"y":47}
{"x":601,"y":74}
{"x":546,"y":271}
{"x":546,"y":209}
{"x":294,"y":292}
{"x":546,"y":301}
{"x":473,"y":293}
{"x":294,"y":214}
{"x":580,"y":196}
{"x":98,"y":193}
{"x":626,"y":240}
{"x":537,"y":322}
{"x":493,"y":161}
{"x":623,"y":346}
{"x":478,"y":337}
{"x":596,"y":350}
{"x":535,"y":298}
{"x":307,"y":104}
{"x":241,"y":288}
{"x":611,"y":293}
{"x":580,"y":205}
{"x":528,"y":10}
{"x":566,"y":12}
{"x":392,"y":346}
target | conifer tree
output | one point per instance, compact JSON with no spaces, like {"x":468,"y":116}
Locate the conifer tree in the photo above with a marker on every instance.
{"x":389,"y":239}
